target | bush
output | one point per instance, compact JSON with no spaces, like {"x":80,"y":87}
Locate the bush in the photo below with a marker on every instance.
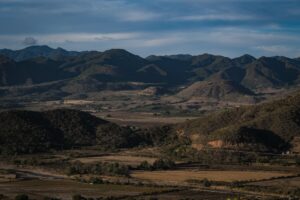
{"x":145,"y":166}
{"x":98,"y":168}
{"x":22,"y":197}
{"x":163,"y":164}
{"x":51,"y":198}
{"x":96,"y":180}
{"x":78,"y":197}
{"x":206,"y":182}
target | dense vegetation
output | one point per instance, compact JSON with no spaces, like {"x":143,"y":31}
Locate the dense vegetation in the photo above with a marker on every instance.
{"x":30,"y":132}
{"x":266,"y":127}
{"x":159,"y":164}
{"x":98,"y":169}
{"x":113,"y":136}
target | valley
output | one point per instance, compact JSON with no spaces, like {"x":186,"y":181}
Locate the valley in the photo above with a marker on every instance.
{"x":114,"y":125}
{"x":43,"y":175}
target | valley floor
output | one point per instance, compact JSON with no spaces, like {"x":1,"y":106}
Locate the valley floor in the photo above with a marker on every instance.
{"x":42,"y":179}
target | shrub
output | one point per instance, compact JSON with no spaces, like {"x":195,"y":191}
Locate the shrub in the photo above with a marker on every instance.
{"x":98,"y":168}
{"x":206,"y":182}
{"x":163,"y":164}
{"x":78,"y":197}
{"x":145,"y":166}
{"x":22,"y":197}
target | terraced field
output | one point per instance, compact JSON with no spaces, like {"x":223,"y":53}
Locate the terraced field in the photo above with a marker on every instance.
{"x":225,"y":176}
{"x":65,"y":189}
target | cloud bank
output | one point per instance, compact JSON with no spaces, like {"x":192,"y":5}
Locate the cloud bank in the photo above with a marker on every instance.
{"x":228,"y":27}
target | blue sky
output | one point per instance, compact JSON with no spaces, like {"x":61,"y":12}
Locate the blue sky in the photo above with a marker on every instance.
{"x":226,"y":27}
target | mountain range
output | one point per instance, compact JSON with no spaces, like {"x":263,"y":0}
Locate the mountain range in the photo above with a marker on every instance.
{"x":58,"y":73}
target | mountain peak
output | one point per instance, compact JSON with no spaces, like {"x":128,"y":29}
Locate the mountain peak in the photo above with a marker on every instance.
{"x":183,"y":57}
{"x":38,"y":47}
{"x":247,"y":56}
{"x":117,"y":52}
{"x":36,"y":51}
{"x":244,"y":59}
{"x":120,"y":54}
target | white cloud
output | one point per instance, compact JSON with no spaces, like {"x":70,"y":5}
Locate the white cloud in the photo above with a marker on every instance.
{"x":85,"y":37}
{"x":211,"y":17}
{"x":73,"y":37}
{"x":274,"y":48}
{"x":156,"y":42}
{"x":123,"y":11}
{"x":135,"y":16}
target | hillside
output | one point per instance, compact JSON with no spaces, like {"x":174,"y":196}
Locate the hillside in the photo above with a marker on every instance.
{"x":216,"y":89}
{"x":32,"y":132}
{"x":271,"y":72}
{"x":7,"y":70}
{"x":270,"y":126}
{"x":33,"y":71}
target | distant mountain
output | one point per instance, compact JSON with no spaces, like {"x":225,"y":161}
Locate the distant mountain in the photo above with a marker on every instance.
{"x":273,"y":126}
{"x":68,"y":73}
{"x":37,"y":51}
{"x":33,"y":71}
{"x":206,"y":65}
{"x":271,"y":72}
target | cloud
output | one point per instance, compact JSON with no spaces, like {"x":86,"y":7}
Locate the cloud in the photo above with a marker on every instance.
{"x":161,"y":41}
{"x":85,"y":37}
{"x":29,"y":41}
{"x":212,"y":17}
{"x":277,"y":49}
{"x":228,"y":41}
{"x":135,"y":16}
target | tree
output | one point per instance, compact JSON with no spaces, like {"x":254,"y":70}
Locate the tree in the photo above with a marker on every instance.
{"x":145,"y":166}
{"x":163,"y":164}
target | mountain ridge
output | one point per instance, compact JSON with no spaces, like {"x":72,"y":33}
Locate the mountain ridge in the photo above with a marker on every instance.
{"x":96,"y":69}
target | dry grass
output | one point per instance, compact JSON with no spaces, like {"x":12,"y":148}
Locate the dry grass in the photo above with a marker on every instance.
{"x":64,"y":189}
{"x":144,"y":119}
{"x":278,"y":183}
{"x":78,"y":102}
{"x":184,"y":175}
{"x":124,"y":159}
{"x":146,"y":152}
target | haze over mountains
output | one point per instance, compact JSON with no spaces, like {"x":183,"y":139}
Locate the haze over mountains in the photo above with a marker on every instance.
{"x":57,"y":73}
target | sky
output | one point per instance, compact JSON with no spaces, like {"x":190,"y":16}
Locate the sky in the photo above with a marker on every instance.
{"x":145,"y":27}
